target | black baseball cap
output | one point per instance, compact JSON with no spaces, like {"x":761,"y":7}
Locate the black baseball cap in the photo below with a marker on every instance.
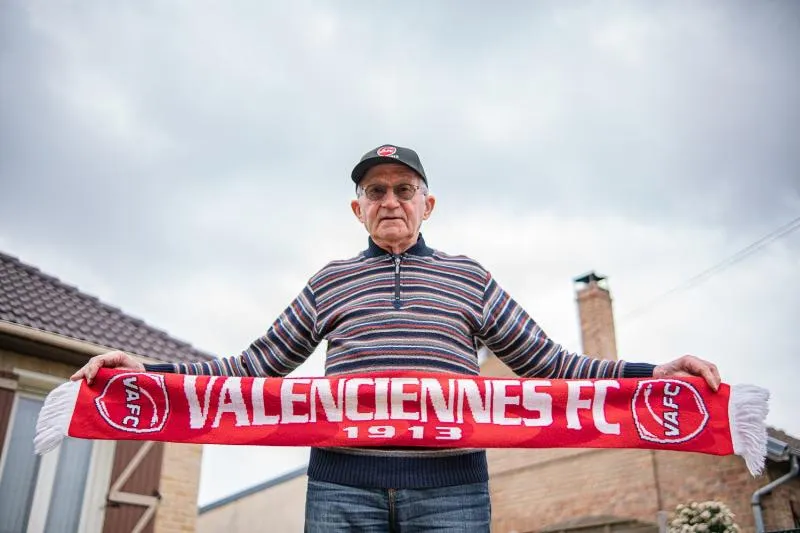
{"x":388,"y":153}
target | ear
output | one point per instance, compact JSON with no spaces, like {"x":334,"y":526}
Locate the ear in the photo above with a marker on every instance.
{"x":430,"y":203}
{"x":356,"y":207}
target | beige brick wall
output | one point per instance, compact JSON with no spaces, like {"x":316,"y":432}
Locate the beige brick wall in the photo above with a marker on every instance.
{"x":278,"y":509}
{"x":494,"y":367}
{"x":504,"y":460}
{"x":532,"y":489}
{"x":778,"y":506}
{"x":180,"y":481}
{"x":597,"y":322}
{"x":687,"y":476}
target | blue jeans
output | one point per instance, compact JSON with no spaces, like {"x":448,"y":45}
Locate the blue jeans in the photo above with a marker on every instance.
{"x":332,"y":508}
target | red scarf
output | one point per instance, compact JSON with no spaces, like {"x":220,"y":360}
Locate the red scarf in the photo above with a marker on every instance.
{"x":411,"y":409}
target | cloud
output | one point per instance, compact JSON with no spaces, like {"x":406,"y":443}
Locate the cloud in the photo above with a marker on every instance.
{"x":190,"y":164}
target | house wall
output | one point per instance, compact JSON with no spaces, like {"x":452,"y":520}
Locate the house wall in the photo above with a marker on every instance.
{"x":533,"y":489}
{"x":278,"y":509}
{"x":180,"y":478}
{"x":11,"y":360}
{"x":782,"y":507}
{"x":689,"y":476}
{"x":180,"y":483}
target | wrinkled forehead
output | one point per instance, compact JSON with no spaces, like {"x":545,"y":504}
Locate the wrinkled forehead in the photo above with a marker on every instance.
{"x":390,"y":173}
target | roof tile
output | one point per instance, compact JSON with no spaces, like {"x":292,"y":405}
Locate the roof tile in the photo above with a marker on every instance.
{"x":29,"y":297}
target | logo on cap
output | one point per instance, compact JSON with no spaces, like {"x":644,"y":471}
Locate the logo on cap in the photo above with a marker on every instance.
{"x":135,"y":402}
{"x":668,"y":411}
{"x":386,"y":151}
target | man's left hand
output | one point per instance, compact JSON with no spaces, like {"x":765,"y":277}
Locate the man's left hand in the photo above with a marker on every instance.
{"x":689,"y":365}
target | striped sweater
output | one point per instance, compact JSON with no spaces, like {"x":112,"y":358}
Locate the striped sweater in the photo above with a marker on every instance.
{"x":422,"y":310}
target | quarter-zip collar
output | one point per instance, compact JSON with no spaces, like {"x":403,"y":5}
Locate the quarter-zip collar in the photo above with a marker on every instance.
{"x":419,"y":248}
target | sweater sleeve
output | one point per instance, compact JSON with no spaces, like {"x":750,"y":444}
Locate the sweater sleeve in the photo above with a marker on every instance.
{"x":286,"y":344}
{"x":521,"y":344}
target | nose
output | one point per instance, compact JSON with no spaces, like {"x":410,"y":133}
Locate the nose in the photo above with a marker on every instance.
{"x":389,"y":200}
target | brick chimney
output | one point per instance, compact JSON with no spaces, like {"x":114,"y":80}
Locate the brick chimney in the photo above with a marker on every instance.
{"x":596,"y":316}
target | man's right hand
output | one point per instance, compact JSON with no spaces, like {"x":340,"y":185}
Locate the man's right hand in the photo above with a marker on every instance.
{"x":114,"y":359}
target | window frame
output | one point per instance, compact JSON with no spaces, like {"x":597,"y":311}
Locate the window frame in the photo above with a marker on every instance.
{"x":35,"y":386}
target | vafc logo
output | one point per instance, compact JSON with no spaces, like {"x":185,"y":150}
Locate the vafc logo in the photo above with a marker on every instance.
{"x":668,"y":411}
{"x":135,"y":402}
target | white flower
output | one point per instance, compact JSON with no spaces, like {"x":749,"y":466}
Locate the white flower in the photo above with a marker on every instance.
{"x":702,"y":517}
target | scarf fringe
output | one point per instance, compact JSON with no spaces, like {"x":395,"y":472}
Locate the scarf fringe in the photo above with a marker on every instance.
{"x":748,"y":412}
{"x":55,"y":416}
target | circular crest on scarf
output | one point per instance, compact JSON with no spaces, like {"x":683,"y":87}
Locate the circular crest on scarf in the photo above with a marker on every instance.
{"x":668,"y":411}
{"x":135,"y":402}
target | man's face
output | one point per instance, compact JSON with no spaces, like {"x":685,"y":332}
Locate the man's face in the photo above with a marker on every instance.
{"x":390,"y":221}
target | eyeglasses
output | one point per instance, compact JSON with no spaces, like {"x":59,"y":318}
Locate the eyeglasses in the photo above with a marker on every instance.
{"x":402,"y":191}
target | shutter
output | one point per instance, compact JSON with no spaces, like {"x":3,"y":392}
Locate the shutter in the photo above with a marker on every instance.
{"x":133,"y":493}
{"x":6,"y":401}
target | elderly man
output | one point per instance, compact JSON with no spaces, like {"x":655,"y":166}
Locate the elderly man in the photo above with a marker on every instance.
{"x":401,"y":305}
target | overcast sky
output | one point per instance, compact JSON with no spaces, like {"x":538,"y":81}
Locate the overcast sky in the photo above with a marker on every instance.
{"x":189,"y":162}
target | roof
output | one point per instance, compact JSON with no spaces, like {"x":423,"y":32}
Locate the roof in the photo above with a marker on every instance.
{"x":252,"y":490}
{"x":29,"y":297}
{"x":781,"y":445}
{"x":779,"y":434}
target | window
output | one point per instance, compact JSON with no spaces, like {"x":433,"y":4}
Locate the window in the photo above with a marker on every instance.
{"x":60,"y":492}
{"x":20,"y":467}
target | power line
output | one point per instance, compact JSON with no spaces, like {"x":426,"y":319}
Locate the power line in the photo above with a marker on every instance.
{"x":742,"y":254}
